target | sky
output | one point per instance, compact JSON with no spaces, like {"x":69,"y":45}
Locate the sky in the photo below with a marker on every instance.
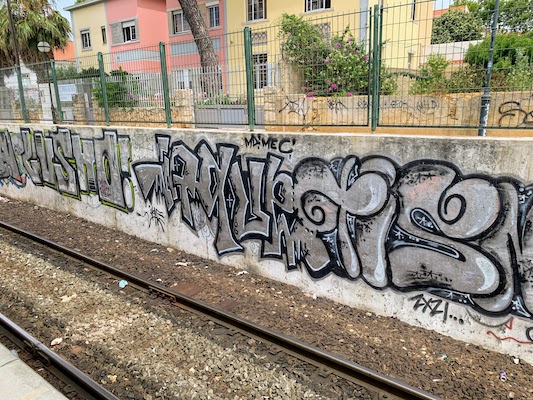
{"x":60,"y":4}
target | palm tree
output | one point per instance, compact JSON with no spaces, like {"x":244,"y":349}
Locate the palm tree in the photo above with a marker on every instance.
{"x":34,"y":21}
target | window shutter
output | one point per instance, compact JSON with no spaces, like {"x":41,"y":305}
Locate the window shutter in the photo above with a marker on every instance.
{"x":170,"y":23}
{"x":137,"y":32}
{"x":116,"y":33}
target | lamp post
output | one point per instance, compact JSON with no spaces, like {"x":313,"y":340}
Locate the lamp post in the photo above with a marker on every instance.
{"x":485,"y":97}
{"x":44,"y":47}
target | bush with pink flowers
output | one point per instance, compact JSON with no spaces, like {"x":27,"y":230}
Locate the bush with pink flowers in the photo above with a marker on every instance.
{"x":336,"y":66}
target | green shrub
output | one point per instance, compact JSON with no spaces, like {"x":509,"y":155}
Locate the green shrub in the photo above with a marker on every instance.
{"x":336,"y":66}
{"x":224,"y":99}
{"x":504,"y":50}
{"x":431,"y":78}
{"x":121,"y":92}
{"x":521,"y":75}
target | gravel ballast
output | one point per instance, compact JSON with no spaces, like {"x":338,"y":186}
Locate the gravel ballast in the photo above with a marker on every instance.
{"x":445,"y":367}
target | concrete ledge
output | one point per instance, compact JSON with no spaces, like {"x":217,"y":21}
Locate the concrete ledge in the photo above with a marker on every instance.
{"x":19,"y":381}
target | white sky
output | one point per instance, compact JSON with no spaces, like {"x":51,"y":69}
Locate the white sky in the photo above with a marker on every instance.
{"x":60,"y":4}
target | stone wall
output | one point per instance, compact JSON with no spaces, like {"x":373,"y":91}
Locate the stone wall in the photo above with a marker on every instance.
{"x":435,"y":231}
{"x":507,"y":110}
{"x":182,"y":112}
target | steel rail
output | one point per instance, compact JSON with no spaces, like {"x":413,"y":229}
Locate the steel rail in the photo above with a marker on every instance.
{"x":52,"y":361}
{"x":386,"y":387}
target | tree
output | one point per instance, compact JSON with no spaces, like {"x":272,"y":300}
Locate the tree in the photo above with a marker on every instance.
{"x":514,"y":15}
{"x":456,"y":26}
{"x":204,"y":44}
{"x":34,"y":21}
{"x":505,"y":50}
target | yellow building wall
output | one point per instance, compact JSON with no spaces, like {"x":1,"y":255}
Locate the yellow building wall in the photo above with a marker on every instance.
{"x":91,"y":17}
{"x":402,"y":35}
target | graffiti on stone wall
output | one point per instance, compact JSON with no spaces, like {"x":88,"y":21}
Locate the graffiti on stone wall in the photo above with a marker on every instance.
{"x":422,"y":226}
{"x":516,"y":113}
{"x":336,"y":105}
{"x":299,"y":106}
{"x":73,"y":166}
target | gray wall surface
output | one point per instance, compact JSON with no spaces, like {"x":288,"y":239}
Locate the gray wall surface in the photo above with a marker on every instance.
{"x":435,"y":231}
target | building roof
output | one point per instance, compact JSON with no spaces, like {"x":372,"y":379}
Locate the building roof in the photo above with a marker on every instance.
{"x":66,"y":54}
{"x":82,"y":4}
{"x":438,"y":13}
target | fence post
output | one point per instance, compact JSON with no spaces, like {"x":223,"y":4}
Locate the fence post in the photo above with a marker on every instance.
{"x":21,"y":95}
{"x":164,"y":77}
{"x":485,"y":97}
{"x":250,"y":95}
{"x":376,"y":51}
{"x":103,"y":87}
{"x":370,"y":70}
{"x":56,"y":90}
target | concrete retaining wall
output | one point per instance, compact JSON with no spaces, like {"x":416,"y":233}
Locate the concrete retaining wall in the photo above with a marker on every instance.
{"x":434,"y":231}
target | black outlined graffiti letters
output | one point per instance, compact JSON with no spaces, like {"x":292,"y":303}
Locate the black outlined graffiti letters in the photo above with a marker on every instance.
{"x":299,"y":106}
{"x":423,"y":226}
{"x":515,"y":113}
{"x":258,"y":141}
{"x":73,"y":166}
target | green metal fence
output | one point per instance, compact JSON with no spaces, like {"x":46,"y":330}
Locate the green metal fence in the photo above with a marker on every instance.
{"x":440,"y":70}
{"x":386,"y":66}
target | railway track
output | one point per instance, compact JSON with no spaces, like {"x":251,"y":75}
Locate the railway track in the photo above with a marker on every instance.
{"x":75,"y":383}
{"x":379,"y":385}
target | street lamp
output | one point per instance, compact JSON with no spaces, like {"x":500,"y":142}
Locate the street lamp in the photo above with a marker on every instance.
{"x":44,"y":47}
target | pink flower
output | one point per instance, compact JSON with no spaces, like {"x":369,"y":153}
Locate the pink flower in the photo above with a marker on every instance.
{"x":350,"y":40}
{"x":310,"y":94}
{"x":328,"y":81}
{"x":303,"y":88}
{"x":349,"y":94}
{"x":334,"y":86}
{"x":338,"y":45}
{"x":365,"y":58}
{"x":329,"y":89}
{"x":356,"y":52}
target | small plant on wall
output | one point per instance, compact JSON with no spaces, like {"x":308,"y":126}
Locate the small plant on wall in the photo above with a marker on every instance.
{"x":330,"y":66}
{"x":121,"y":88}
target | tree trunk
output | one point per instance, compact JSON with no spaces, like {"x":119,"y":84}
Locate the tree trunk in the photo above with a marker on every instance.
{"x":208,"y":57}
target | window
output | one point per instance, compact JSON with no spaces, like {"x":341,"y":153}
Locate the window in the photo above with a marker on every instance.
{"x":104,"y":36}
{"x":256,"y":9}
{"x":179,"y":23}
{"x":312,"y":5}
{"x":214,"y":16}
{"x":85,"y":39}
{"x":129,"y":31}
{"x":182,"y":79}
{"x":324,"y":28}
{"x":413,"y":10}
{"x":26,"y":80}
{"x":260,"y":71}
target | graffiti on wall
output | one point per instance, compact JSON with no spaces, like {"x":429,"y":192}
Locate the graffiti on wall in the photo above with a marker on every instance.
{"x":424,"y":226}
{"x":73,"y":166}
{"x":516,"y":113}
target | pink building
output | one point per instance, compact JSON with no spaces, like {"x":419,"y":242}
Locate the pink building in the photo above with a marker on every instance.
{"x":137,"y":26}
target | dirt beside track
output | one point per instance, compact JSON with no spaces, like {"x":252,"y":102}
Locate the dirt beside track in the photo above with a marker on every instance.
{"x":446,"y":367}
